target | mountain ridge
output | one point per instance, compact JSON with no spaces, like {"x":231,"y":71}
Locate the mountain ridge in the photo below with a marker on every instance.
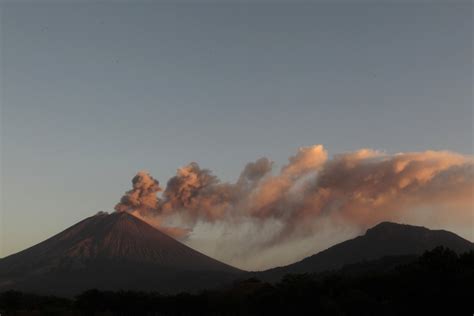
{"x":382,"y":240}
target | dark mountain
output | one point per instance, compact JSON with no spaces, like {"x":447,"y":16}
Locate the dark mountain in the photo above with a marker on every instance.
{"x":383,"y":240}
{"x":116,"y":251}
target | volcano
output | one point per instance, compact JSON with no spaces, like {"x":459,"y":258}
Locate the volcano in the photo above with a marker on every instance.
{"x":111,"y":252}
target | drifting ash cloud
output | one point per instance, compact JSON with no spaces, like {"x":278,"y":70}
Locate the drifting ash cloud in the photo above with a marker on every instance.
{"x":307,"y":195}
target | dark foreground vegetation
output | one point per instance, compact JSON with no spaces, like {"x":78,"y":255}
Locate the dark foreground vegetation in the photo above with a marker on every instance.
{"x":439,"y":282}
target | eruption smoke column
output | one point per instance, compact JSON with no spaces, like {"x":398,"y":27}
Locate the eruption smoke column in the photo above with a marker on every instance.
{"x":142,"y":197}
{"x":196,"y":192}
{"x":357,"y":189}
{"x":142,"y":202}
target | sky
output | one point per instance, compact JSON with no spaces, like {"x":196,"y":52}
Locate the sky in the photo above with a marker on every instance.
{"x":92,"y":92}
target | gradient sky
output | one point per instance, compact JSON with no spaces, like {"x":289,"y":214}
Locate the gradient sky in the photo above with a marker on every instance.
{"x":94,"y":92}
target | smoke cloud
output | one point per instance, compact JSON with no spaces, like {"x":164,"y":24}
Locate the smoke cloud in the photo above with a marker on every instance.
{"x":306,"y":196}
{"x":142,"y":197}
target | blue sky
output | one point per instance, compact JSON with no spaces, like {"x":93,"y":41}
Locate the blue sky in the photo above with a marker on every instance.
{"x":94,"y":92}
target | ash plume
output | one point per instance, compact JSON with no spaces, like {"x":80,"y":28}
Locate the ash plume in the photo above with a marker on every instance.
{"x":307,"y":195}
{"x":142,"y":197}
